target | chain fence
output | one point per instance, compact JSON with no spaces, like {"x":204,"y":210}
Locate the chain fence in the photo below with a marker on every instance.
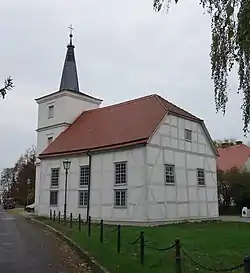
{"x":208,"y":267}
{"x":181,"y":259}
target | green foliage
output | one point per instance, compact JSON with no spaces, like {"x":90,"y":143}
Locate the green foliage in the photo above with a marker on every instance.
{"x":233,"y":186}
{"x":230,"y":46}
{"x":14,"y":180}
{"x":8,"y":85}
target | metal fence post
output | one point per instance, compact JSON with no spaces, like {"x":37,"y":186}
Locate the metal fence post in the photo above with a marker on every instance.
{"x":59,"y":217}
{"x":247,"y":264}
{"x":178,"y":255}
{"x":71,"y":219}
{"x":79,"y":222}
{"x":101,"y":231}
{"x":142,"y":245}
{"x":118,"y":239}
{"x":50,"y":214}
{"x":54,"y":216}
{"x":89,"y":226}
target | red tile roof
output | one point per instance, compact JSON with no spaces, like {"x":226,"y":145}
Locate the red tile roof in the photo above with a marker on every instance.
{"x":233,"y":157}
{"x":124,"y":124}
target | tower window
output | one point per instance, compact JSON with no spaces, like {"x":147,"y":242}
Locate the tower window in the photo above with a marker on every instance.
{"x":50,"y":139}
{"x":51,"y":111}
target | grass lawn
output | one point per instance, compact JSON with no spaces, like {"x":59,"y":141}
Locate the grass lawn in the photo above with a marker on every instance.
{"x":217,"y":244}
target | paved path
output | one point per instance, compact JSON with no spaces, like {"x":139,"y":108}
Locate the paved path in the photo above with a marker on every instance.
{"x":28,"y":248}
{"x":235,"y":219}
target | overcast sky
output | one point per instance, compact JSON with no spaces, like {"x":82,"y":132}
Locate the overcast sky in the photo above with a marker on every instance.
{"x":123,"y":50}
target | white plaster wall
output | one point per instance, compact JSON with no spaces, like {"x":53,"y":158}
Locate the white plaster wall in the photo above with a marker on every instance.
{"x":42,"y":137}
{"x":185,"y":199}
{"x":63,"y":117}
{"x":66,"y":109}
{"x":102,"y":186}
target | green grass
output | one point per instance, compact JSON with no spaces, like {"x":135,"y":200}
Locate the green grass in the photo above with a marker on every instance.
{"x":217,"y":244}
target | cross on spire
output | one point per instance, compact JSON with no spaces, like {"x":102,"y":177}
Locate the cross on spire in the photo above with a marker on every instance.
{"x":69,"y":80}
{"x":70,"y":34}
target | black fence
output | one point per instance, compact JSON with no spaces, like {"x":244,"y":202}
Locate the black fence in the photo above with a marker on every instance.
{"x":143,"y":243}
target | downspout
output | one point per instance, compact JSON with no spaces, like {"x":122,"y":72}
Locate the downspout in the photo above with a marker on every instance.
{"x":90,"y":164}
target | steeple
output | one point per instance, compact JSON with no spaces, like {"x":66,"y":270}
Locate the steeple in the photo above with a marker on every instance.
{"x":69,"y":80}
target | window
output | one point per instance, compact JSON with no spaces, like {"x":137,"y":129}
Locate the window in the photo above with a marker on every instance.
{"x":201,"y":177}
{"x":169,"y":174}
{"x":188,"y":135}
{"x":84,"y":175}
{"x":53,"y":198}
{"x":120,"y":198}
{"x":121,"y":173}
{"x":55,"y":177}
{"x":83,"y":198}
{"x":50,"y":139}
{"x":51,"y":111}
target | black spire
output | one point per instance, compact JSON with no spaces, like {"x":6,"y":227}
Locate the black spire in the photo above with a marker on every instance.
{"x":69,"y":80}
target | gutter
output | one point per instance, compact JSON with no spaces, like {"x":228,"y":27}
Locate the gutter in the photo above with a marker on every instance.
{"x":90,"y":167}
{"x":138,"y":142}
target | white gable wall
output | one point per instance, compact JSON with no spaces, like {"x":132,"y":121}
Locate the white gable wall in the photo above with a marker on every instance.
{"x":102,"y":186}
{"x":184,"y":199}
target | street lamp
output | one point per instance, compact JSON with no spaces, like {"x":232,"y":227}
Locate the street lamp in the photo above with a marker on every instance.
{"x":66,"y":166}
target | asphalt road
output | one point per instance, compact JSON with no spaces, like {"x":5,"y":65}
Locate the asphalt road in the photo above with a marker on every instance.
{"x":28,"y":248}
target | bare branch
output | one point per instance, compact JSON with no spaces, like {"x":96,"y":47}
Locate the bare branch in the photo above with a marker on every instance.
{"x":8,"y":85}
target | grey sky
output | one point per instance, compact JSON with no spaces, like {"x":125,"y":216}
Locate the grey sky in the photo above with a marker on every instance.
{"x":123,"y":50}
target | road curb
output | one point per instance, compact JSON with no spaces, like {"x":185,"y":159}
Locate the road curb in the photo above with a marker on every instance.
{"x":94,"y":265}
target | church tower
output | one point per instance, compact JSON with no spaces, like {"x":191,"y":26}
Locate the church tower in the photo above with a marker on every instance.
{"x":56,"y":111}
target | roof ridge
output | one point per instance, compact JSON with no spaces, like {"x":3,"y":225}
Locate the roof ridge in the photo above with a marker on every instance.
{"x":234,"y":146}
{"x":119,"y":104}
{"x":161,"y":99}
{"x":158,"y":98}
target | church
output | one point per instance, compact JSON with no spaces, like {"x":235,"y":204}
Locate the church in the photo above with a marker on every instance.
{"x":140,"y":161}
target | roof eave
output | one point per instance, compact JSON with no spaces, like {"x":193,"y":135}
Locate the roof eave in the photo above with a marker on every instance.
{"x":141,"y":142}
{"x":72,"y":92}
{"x":210,"y":139}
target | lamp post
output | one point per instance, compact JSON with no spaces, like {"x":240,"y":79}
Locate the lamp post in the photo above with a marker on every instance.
{"x":66,"y":166}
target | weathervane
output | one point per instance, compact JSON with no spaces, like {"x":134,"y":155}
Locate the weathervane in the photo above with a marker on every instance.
{"x":71,"y":34}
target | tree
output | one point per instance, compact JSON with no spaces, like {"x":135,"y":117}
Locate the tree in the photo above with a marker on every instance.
{"x":8,"y":85}
{"x":7,"y":175}
{"x":224,"y":189}
{"x":230,"y":46}
{"x":15,"y":180}
{"x":233,"y":187}
{"x":241,"y":189}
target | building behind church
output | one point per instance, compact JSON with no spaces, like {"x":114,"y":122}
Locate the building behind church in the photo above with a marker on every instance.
{"x":143,"y":161}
